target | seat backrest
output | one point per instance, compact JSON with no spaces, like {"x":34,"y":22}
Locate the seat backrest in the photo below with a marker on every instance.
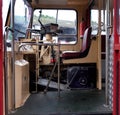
{"x":85,"y":47}
{"x":86,"y":39}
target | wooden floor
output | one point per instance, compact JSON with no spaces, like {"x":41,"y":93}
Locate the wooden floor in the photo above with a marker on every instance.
{"x":72,"y":102}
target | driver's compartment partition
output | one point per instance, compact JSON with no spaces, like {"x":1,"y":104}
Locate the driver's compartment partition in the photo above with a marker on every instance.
{"x":93,"y":56}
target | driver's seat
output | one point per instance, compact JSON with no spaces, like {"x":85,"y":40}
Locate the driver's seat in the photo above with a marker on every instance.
{"x":85,"y":47}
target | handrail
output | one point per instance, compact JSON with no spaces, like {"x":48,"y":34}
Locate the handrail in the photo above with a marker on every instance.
{"x":6,"y":69}
{"x":39,"y":44}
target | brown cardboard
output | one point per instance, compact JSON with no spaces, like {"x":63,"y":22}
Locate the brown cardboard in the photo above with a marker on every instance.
{"x":10,"y":79}
{"x":21,"y":82}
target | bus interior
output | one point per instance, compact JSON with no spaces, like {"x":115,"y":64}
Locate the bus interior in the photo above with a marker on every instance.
{"x":58,"y":57}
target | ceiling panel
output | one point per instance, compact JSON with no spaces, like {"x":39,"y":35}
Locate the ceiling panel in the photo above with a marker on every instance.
{"x":60,"y":2}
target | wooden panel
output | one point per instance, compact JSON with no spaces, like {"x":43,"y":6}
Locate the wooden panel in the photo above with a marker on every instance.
{"x":50,"y":2}
{"x":60,"y":2}
{"x":78,"y":2}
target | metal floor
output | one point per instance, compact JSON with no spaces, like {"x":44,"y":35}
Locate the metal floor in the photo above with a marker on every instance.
{"x":72,"y":102}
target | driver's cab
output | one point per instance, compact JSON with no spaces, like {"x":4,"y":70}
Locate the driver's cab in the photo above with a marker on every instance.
{"x":50,"y":35}
{"x":65,"y":26}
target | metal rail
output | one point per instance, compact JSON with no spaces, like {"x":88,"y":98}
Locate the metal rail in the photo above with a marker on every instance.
{"x":6,"y":70}
{"x":107,"y":50}
{"x":13,"y":54}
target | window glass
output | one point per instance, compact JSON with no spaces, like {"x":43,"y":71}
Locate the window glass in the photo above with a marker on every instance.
{"x":46,"y":16}
{"x":22,"y":18}
{"x":5,"y":8}
{"x":66,"y":20}
{"x":94,"y":21}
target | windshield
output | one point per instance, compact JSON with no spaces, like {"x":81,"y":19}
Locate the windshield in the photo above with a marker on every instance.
{"x":66,"y":20}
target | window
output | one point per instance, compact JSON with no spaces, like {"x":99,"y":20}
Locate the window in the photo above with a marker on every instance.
{"x":94,"y":21}
{"x":22,"y":18}
{"x":66,"y":20}
{"x":5,"y":8}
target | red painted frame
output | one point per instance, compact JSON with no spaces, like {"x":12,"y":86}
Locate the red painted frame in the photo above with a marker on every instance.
{"x":1,"y":62}
{"x":116,"y":76}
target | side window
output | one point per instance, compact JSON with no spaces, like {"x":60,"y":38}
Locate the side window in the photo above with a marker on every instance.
{"x":5,"y":8}
{"x":22,"y":18}
{"x":94,"y":21}
{"x":66,"y":20}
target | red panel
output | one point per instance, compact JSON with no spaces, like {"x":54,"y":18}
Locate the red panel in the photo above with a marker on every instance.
{"x":116,"y":76}
{"x":85,"y":23}
{"x":82,"y":27}
{"x":118,"y":84}
{"x":1,"y":64}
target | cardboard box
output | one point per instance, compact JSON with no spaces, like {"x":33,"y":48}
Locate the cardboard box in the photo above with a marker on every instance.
{"x":18,"y":56}
{"x":21,"y":82}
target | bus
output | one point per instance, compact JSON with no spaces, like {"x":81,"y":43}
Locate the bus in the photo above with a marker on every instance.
{"x":59,"y":57}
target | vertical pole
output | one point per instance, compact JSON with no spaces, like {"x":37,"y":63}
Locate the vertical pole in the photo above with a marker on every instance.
{"x":56,"y":16}
{"x":58,"y":70}
{"x":1,"y":62}
{"x":104,"y":4}
{"x":6,"y":72}
{"x":107,"y":49}
{"x":99,"y":19}
{"x":99,"y":47}
{"x":37,"y":64}
{"x":13,"y":54}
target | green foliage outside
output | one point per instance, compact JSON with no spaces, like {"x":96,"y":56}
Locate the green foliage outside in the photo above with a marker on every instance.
{"x":45,"y":19}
